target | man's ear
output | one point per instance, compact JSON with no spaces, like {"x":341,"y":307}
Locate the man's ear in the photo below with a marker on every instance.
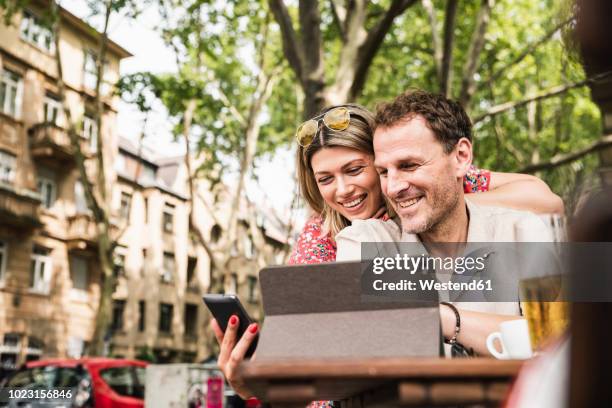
{"x":463,"y":156}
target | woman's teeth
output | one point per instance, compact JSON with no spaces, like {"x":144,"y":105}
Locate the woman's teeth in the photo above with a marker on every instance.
{"x":354,"y":203}
{"x":408,"y":203}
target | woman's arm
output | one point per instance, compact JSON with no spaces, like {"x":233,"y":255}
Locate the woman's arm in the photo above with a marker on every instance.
{"x":521,"y":192}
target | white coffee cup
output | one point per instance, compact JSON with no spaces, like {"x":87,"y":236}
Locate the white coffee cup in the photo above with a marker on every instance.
{"x":514,"y":339}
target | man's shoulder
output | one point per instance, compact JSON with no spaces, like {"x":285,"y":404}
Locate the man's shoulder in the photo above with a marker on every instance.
{"x":372,"y":230}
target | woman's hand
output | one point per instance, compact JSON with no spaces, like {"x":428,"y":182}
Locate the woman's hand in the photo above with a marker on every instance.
{"x":232,"y":353}
{"x":382,"y":211}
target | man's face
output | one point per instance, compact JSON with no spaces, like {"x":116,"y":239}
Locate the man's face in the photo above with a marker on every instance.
{"x":421,"y":181}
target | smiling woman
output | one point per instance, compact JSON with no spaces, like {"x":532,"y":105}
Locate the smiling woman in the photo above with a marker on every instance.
{"x":349,"y":186}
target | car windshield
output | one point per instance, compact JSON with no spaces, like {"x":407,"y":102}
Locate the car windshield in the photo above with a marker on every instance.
{"x":128,"y":381}
{"x":46,"y":377}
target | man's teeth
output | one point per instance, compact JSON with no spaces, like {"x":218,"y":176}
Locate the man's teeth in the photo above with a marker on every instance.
{"x":354,"y":203}
{"x":408,"y":203}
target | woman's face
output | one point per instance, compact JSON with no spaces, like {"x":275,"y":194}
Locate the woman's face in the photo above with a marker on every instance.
{"x":348,"y":181}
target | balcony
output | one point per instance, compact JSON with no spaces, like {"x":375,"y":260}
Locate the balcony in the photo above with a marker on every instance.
{"x":19,"y":208}
{"x":82,"y":233}
{"x":51,"y":142}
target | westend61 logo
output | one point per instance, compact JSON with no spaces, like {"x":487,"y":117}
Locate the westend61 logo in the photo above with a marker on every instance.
{"x":425,"y":264}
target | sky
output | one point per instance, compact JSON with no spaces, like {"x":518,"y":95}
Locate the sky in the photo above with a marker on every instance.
{"x":151,"y":54}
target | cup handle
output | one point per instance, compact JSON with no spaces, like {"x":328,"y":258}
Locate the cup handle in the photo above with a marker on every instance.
{"x":491,"y":346}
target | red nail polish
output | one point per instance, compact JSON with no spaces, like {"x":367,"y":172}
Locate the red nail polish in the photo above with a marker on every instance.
{"x":233,"y":320}
{"x":253,"y":328}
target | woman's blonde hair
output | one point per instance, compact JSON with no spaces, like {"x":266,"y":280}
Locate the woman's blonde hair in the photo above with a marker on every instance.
{"x":357,"y":136}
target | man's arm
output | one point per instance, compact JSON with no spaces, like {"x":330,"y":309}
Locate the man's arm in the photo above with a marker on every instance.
{"x":521,"y":192}
{"x":475,"y":327}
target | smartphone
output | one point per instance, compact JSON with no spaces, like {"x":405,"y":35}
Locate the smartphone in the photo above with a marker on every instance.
{"x":223,"y":307}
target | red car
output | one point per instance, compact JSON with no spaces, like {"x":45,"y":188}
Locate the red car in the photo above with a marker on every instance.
{"x":97,"y":382}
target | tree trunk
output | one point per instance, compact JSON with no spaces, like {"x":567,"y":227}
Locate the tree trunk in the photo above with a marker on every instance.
{"x":447,"y":55}
{"x":97,"y":203}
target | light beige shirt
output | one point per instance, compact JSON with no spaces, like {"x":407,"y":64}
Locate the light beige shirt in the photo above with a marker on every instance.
{"x":486,"y":224}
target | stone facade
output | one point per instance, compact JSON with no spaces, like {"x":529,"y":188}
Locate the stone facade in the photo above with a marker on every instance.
{"x":48,"y":268}
{"x":48,"y":272}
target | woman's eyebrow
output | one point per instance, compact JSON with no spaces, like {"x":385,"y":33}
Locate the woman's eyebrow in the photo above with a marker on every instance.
{"x":353,"y":162}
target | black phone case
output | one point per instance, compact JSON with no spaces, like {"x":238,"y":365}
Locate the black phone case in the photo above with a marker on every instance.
{"x":223,"y":307}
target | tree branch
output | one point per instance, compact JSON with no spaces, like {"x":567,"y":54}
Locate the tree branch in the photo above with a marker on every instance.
{"x":291,"y":48}
{"x":447,"y":55}
{"x":477,"y":43}
{"x":101,"y":176}
{"x":554,"y":91}
{"x":373,"y":42}
{"x":561,"y":159}
{"x":339,"y":13}
{"x":530,"y":49}
{"x":356,"y":35}
{"x":435,"y":37}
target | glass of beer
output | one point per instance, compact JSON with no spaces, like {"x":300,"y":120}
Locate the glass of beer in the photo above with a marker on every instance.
{"x":544,"y":308}
{"x":543,"y":297}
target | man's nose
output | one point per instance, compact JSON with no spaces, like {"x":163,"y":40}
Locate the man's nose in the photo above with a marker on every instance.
{"x":395,"y":184}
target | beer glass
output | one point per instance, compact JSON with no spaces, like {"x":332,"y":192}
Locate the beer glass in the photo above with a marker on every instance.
{"x":544,"y":304}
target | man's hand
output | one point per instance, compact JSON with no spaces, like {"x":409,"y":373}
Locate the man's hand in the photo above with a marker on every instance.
{"x":232,"y":353}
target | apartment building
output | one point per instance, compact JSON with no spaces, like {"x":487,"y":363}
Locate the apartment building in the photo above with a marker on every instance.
{"x":48,"y":270}
{"x":49,"y":277}
{"x":161,"y":269}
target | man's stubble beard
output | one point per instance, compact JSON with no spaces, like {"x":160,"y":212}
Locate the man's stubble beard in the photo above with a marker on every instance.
{"x":444,"y":202}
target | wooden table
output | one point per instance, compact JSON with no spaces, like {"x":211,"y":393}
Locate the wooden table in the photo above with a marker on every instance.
{"x":381,"y":382}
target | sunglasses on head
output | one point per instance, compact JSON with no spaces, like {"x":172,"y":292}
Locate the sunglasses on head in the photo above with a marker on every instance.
{"x":334,"y":119}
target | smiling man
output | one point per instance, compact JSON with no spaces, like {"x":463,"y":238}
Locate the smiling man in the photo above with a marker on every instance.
{"x":423,"y":149}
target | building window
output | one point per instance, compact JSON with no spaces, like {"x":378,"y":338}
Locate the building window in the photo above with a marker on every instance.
{"x":168,"y":267}
{"x":90,"y":71}
{"x":90,"y":132}
{"x":142,"y":315}
{"x":35,"y":348}
{"x":247,"y":242}
{"x":166,"y":311}
{"x":11,"y":90}
{"x":124,"y":207}
{"x":7,"y":167}
{"x":35,"y":32}
{"x":40,"y":270}
{"x":119,"y":268}
{"x":146,"y":210}
{"x":79,"y":273}
{"x":252,"y":280}
{"x":80,"y":201}
{"x":120,"y":164}
{"x":233,"y":284}
{"x":147,"y":174}
{"x":117,"y":319}
{"x":47,"y":189}
{"x":9,"y":351}
{"x":191,"y":319}
{"x":3,"y":256}
{"x":168,"y":218}
{"x":191,"y":269}
{"x":53,"y":109}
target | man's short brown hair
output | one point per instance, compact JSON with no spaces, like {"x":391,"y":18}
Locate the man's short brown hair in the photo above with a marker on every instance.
{"x":446,"y":118}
